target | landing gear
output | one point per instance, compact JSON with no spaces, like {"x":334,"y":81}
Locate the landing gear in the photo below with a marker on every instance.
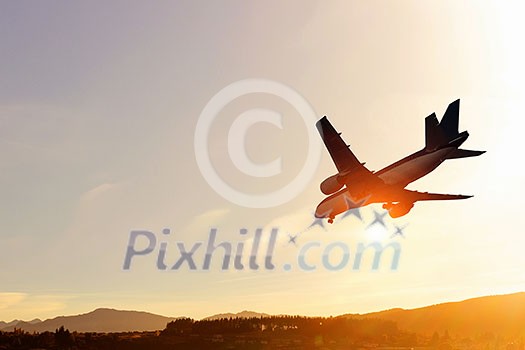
{"x":388,"y":206}
{"x":330,"y":220}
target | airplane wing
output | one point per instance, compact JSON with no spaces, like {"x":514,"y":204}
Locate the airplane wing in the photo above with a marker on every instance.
{"x":344,"y":159}
{"x":414,"y":196}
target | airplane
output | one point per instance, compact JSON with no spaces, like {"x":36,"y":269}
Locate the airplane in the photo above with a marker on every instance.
{"x":355,"y":186}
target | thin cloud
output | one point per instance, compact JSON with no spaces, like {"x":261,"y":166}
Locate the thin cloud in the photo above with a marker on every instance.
{"x":97,"y":191}
{"x":11,"y":299}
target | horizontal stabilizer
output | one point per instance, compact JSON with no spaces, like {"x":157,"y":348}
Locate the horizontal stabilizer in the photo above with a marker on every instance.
{"x":463,"y":153}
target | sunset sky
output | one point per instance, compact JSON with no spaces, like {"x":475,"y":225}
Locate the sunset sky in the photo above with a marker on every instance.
{"x":99,"y":102}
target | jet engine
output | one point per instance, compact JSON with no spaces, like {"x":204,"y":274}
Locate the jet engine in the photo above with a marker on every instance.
{"x":331,"y":185}
{"x":399,"y":209}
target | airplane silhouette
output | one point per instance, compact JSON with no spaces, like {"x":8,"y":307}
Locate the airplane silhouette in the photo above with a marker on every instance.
{"x":355,"y":186}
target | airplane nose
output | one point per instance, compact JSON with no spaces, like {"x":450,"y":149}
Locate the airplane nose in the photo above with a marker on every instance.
{"x":336,"y":204}
{"x":323,"y":210}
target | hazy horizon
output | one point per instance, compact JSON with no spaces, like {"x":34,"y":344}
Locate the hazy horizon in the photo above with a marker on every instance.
{"x":240,"y":312}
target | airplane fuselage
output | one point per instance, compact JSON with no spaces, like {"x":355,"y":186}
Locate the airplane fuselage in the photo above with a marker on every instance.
{"x":413,"y":167}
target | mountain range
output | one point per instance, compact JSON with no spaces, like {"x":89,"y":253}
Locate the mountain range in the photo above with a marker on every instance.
{"x":99,"y":320}
{"x":15,"y":322}
{"x":500,"y":314}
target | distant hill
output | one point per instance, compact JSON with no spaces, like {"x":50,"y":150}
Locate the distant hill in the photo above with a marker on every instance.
{"x":100,"y":320}
{"x":242,"y":314}
{"x":14,"y":322}
{"x":499,"y":314}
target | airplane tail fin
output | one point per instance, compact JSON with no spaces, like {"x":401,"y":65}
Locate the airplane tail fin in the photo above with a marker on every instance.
{"x":434,"y":136}
{"x":445,"y":132}
{"x":450,"y":121}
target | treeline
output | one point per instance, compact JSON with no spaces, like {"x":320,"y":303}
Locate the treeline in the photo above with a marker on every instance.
{"x":285,"y":332}
{"x":299,"y":325}
{"x":18,"y":339}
